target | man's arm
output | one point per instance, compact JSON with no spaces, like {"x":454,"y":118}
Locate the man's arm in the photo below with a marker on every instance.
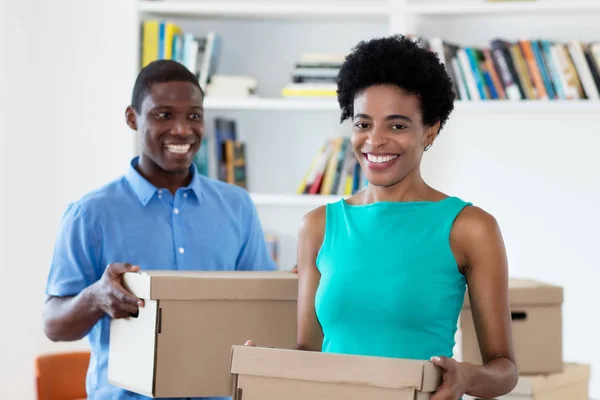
{"x":71,"y":318}
{"x":77,"y":299}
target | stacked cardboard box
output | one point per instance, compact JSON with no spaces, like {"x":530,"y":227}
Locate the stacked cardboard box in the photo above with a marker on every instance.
{"x":571,"y":384}
{"x":180,"y":343}
{"x":536,"y":310}
{"x":275,"y":374}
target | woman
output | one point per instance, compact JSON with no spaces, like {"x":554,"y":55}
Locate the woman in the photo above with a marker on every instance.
{"x":384,"y":272}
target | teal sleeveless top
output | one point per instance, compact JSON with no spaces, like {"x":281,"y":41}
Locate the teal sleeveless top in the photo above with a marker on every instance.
{"x":390,"y":285}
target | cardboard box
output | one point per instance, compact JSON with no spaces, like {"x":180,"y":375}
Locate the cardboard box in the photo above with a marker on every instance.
{"x":571,"y":384}
{"x":180,"y":344}
{"x":536,"y":310}
{"x":275,"y":374}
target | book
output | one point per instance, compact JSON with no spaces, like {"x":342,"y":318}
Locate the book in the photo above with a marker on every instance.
{"x":235,"y":163}
{"x":525,"y":69}
{"x":334,"y":170}
{"x":166,"y":40}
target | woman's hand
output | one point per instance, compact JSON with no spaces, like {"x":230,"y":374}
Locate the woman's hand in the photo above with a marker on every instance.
{"x":456,"y":378}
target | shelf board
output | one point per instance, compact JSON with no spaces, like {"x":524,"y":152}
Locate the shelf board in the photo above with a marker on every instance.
{"x":265,"y":9}
{"x":258,"y":103}
{"x":330,"y":104}
{"x":444,"y":7}
{"x":527,"y":106}
{"x":299,"y":200}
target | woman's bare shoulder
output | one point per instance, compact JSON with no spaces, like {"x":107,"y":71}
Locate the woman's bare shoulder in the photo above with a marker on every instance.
{"x":473,"y":223}
{"x":475,"y":233}
{"x":312,"y":224}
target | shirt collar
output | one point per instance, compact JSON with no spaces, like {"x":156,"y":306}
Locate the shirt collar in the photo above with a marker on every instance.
{"x":144,"y":190}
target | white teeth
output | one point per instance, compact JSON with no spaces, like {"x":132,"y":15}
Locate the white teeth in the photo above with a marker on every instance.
{"x":178,"y":148}
{"x":380,"y":159}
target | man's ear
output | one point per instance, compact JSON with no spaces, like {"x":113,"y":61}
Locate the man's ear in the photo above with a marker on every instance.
{"x":131,"y":118}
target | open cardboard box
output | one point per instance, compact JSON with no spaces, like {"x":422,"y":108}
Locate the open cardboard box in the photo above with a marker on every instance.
{"x":180,"y":343}
{"x":536,"y":310}
{"x":571,"y":384}
{"x":261,"y":373}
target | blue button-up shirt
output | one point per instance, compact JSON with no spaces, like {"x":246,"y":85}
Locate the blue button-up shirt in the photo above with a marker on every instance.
{"x":208,"y":225}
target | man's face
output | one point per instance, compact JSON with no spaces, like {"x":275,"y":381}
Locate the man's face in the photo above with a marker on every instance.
{"x":171,"y":125}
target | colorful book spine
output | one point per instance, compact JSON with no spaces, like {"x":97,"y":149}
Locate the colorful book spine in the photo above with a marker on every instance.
{"x":521,"y":70}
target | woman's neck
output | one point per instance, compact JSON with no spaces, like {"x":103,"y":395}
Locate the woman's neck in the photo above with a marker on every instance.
{"x":411,"y":188}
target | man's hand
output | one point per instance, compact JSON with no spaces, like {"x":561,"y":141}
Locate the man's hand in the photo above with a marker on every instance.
{"x":295,"y":269}
{"x":456,"y":379}
{"x":109,"y":295}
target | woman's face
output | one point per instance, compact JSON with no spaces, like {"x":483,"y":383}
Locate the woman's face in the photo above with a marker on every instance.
{"x":388,"y":135}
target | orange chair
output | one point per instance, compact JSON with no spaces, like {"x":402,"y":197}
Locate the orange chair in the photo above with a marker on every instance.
{"x":61,"y":376}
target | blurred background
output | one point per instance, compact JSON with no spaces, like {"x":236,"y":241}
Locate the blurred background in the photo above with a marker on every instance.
{"x":522,"y":142}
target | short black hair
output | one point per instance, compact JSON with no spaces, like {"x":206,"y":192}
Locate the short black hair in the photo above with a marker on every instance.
{"x":400,"y":61}
{"x":160,"y":71}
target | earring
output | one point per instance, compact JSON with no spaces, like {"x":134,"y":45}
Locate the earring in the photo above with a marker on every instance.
{"x":428,"y":146}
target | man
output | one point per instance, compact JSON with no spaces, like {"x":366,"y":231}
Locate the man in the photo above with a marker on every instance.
{"x":162,"y":214}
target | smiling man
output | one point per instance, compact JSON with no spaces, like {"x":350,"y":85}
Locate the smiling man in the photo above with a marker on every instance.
{"x":162,"y":214}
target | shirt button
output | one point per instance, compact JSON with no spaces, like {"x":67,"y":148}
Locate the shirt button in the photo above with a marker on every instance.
{"x":185,"y":195}
{"x":176,"y":211}
{"x":181,"y":250}
{"x":160,"y":191}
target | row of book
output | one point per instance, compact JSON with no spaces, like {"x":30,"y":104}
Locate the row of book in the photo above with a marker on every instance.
{"x":521,"y":70}
{"x":334,"y":170}
{"x":505,"y":70}
{"x":228,"y":151}
{"x":165,"y":40}
{"x":314,"y":75}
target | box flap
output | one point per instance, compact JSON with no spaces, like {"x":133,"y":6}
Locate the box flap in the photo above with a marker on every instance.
{"x":131,"y":354}
{"x":392,"y":373}
{"x":528,"y":292}
{"x":138,"y":284}
{"x":538,"y":384}
{"x":213,"y":285}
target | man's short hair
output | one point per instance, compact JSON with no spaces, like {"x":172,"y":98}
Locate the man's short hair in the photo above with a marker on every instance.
{"x":160,"y":71}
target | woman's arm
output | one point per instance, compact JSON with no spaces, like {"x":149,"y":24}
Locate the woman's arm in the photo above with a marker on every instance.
{"x":479,"y":248}
{"x":310,"y":238}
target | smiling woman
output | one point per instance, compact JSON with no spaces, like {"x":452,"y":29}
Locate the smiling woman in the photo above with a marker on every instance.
{"x":384,"y":273}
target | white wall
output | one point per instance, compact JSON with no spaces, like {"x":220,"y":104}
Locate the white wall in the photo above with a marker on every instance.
{"x":67,"y":85}
{"x":64,"y":93}
{"x":3,"y":12}
{"x":537,"y":173}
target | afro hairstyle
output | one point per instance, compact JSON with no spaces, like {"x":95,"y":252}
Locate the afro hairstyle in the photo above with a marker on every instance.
{"x":400,"y":61}
{"x":160,"y":71}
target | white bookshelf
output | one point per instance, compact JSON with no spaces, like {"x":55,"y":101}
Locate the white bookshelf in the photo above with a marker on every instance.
{"x":285,"y":104}
{"x":266,"y":37}
{"x":271,"y":104}
{"x":424,"y":7}
{"x":297,"y":200}
{"x":266,"y":9}
{"x":527,"y":106}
